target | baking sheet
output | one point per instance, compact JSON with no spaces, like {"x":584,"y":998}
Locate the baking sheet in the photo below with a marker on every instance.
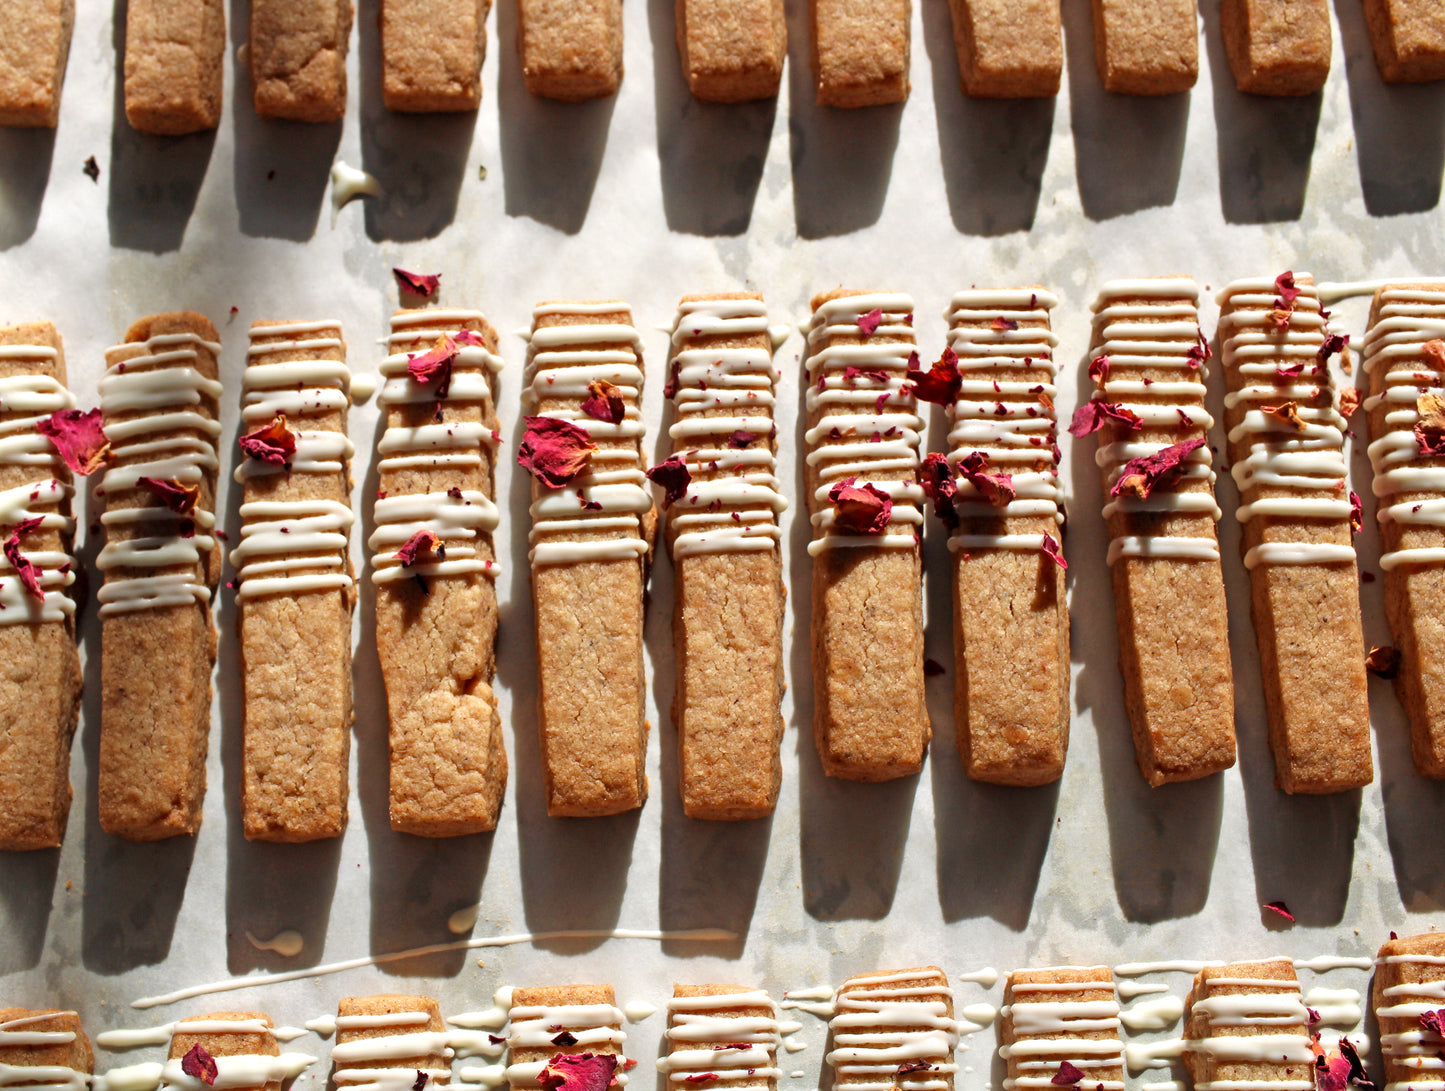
{"x":647,"y":197}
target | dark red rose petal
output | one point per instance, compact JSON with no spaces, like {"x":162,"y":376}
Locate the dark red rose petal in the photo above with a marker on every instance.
{"x":179,"y":498}
{"x":573,"y":1072}
{"x":604,"y":402}
{"x":554,"y":451}
{"x":674,"y":477}
{"x":78,"y":437}
{"x":940,"y":383}
{"x":1141,"y":475}
{"x":860,"y":510}
{"x":200,"y":1065}
{"x":1093,"y":415}
{"x":422,"y":284}
{"x":274,"y":443}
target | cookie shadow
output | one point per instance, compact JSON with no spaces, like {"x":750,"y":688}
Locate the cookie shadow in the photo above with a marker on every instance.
{"x":994,"y":150}
{"x":419,"y":160}
{"x":25,"y":158}
{"x":841,"y":159}
{"x":27,"y":893}
{"x":1399,"y":128}
{"x":281,"y":167}
{"x":1414,"y":806}
{"x":1265,"y":142}
{"x":1315,"y":885}
{"x":1144,"y":132}
{"x":551,"y":151}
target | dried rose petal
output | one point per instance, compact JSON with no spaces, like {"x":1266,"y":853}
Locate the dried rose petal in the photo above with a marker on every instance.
{"x":1284,"y":284}
{"x":1001,"y":323}
{"x":1280,"y":908}
{"x":1313,"y":1017}
{"x":1140,"y":476}
{"x":423,"y":547}
{"x":932,"y":668}
{"x":1357,"y":1075}
{"x":1099,"y":368}
{"x":1357,"y":513}
{"x":1288,"y":413}
{"x":1349,"y":401}
{"x":1094,"y":414}
{"x":669,"y":388}
{"x":1200,"y":352}
{"x":422,"y":284}
{"x":28,"y":572}
{"x":1433,"y":353}
{"x":91,"y":169}
{"x":565,"y":1038}
{"x":78,"y":437}
{"x":996,"y":488}
{"x":434,"y":366}
{"x":913,"y":1066}
{"x":1334,"y":342}
{"x":421,"y":1079}
{"x":1332,"y":1073}
{"x":674,"y":477}
{"x":469,"y":337}
{"x":554,"y":451}
{"x":940,"y":486}
{"x":741,"y":439}
{"x":1433,"y":1022}
{"x":200,"y":1065}
{"x":1067,"y":1075}
{"x":699,"y":1077}
{"x":862,"y":509}
{"x":1054,"y":550}
{"x":868,"y":323}
{"x":274,"y":443}
{"x":940,"y":383}
{"x":1290,"y":371}
{"x":604,"y":402}
{"x":179,"y":498}
{"x":587,"y":1072}
{"x":1383,"y":660}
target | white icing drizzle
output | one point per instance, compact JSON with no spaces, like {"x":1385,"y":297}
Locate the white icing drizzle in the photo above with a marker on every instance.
{"x":1332,"y":291}
{"x":1065,"y":1013}
{"x":1336,"y":1007}
{"x":1407,"y":1046}
{"x":853,"y":408}
{"x":882,"y":1023}
{"x":293,"y":547}
{"x":361,"y":1065}
{"x":239,"y":1070}
{"x":1156,"y":331}
{"x":163,"y":384}
{"x":561,"y":362}
{"x":1308,"y":461}
{"x":1321,"y":964}
{"x":733,"y":500}
{"x":460,"y":522}
{"x":1011,"y":420}
{"x":701,"y":1037}
{"x":1406,"y":319}
{"x":638,"y":1010}
{"x":1157,"y":1014}
{"x":534,"y":1027}
{"x":1170,"y":966}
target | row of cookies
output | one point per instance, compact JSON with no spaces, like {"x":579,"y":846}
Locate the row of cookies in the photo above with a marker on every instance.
{"x":732,"y":51}
{"x":1246,"y":1025}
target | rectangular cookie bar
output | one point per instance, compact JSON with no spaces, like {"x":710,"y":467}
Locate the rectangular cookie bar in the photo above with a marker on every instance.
{"x":1409,"y":971}
{"x":1010,"y":614}
{"x":724,"y":534}
{"x":1409,"y":39}
{"x":1404,"y":359}
{"x":721,"y":1036}
{"x":1147,"y":362}
{"x":51,"y":1042}
{"x":1245,"y":1024}
{"x":587,"y":1014}
{"x":1009,"y":48}
{"x":243,"y":1047}
{"x":436,"y":616}
{"x":294,"y":590}
{"x":861,"y":51}
{"x":174,"y":50}
{"x":1059,"y":1015}
{"x":1286,"y":444}
{"x":870,"y":717}
{"x":732,"y":50}
{"x":1277,"y":47}
{"x":387,"y":1043}
{"x":158,"y":401}
{"x":570,"y":51}
{"x":432,"y":53}
{"x":297,"y":55}
{"x":896,"y":1028}
{"x":1146,"y":47}
{"x":40,"y":689}
{"x":34,"y":46}
{"x":592,"y":530}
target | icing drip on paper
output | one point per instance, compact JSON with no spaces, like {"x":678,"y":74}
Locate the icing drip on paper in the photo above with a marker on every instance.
{"x":883,"y":1025}
{"x":347,"y":184}
{"x":703,"y":1032}
{"x":1042,"y":1009}
{"x":288,"y":943}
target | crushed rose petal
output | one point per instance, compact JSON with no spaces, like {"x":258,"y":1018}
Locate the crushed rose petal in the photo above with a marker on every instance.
{"x":200,"y":1065}
{"x":1433,"y":1021}
{"x":554,"y":451}
{"x":78,"y":437}
{"x":1280,"y":908}
{"x":273,"y":443}
{"x":1433,"y":353}
{"x":1349,"y":401}
{"x":1067,"y":1075}
{"x":997,"y":488}
{"x":1053,"y":549}
{"x":1094,"y":414}
{"x":1287,"y":413}
{"x":604,"y":402}
{"x":1357,"y":513}
{"x":574,"y":1072}
{"x":422,"y":284}
{"x":940,"y":486}
{"x":1001,"y":323}
{"x":1099,"y":368}
{"x":864,"y":509}
{"x":423,"y":547}
{"x":674,"y":477}
{"x":1383,"y":660}
{"x":420,"y":1081}
{"x":1334,"y":343}
{"x":741,"y":439}
{"x":1140,"y":476}
{"x":940,"y":383}
{"x":869,"y":323}
{"x":565,"y":1038}
{"x":434,"y":366}
{"x":179,"y":498}
{"x":28,"y":571}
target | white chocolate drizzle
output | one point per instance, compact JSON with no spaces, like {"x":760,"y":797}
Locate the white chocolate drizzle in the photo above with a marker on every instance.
{"x":238,"y":1070}
{"x":1010,"y":419}
{"x":883,"y":1024}
{"x":534,"y":1027}
{"x":705,"y":1033}
{"x":164,"y":385}
{"x":1307,"y":461}
{"x":463,"y":523}
{"x":561,"y":362}
{"x":734,"y":498}
{"x":1060,"y":1026}
{"x":360,"y":1064}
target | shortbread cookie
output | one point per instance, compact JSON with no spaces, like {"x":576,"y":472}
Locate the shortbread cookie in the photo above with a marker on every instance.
{"x":159,"y":404}
{"x":436,"y":610}
{"x":1010,"y":615}
{"x":592,"y":527}
{"x":298,"y":58}
{"x":1246,"y":1025}
{"x":557,"y":1022}
{"x":1409,"y":980}
{"x":721,"y":1036}
{"x":294,"y":588}
{"x":174,"y":51}
{"x":1277,"y":47}
{"x":570,"y":51}
{"x":34,"y":46}
{"x":432,"y":53}
{"x":1009,"y":48}
{"x":870,"y":718}
{"x":1404,"y":358}
{"x":732,"y":50}
{"x":860,"y":51}
{"x":724,"y":533}
{"x":1286,"y":452}
{"x":388,"y":1043}
{"x":240,"y":1045}
{"x":1146,"y":47}
{"x":1409,"y":39}
{"x":894,"y":1029}
{"x":48,"y":1041}
{"x":1063,"y":1015}
{"x":1147,"y":362}
{"x":40,"y":690}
